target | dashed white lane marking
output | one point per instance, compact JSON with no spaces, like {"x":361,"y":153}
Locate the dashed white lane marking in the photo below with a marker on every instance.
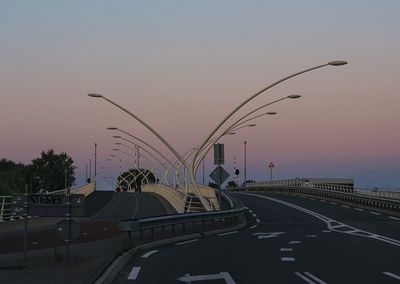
{"x":322,"y":200}
{"x":84,"y":234}
{"x":311,"y":236}
{"x":309,"y":278}
{"x":187,"y":278}
{"x":105,"y":229}
{"x":35,"y":243}
{"x":186,"y":242}
{"x":254,"y":226}
{"x":294,"y":242}
{"x":147,"y":254}
{"x":246,"y":207}
{"x":287,"y":258}
{"x":258,"y":220}
{"x":312,"y":198}
{"x":326,"y":231}
{"x":286,"y":249}
{"x":375,"y":213}
{"x":345,"y":206}
{"x":254,"y":215}
{"x":134,"y":273}
{"x":229,"y":233}
{"x":359,"y":209}
{"x":394,"y":218}
{"x":392,"y":275}
{"x":251,"y":211}
{"x":333,"y":203}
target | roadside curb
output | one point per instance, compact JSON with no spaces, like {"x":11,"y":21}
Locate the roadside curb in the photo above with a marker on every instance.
{"x":110,"y":273}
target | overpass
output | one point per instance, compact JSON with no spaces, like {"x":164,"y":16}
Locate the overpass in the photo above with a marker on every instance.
{"x":293,"y":234}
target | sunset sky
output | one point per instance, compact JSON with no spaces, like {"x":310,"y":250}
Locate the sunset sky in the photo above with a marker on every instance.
{"x":182,"y":66}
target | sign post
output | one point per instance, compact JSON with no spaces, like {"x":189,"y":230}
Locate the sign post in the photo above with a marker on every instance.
{"x":219,"y":175}
{"x":271,"y":168}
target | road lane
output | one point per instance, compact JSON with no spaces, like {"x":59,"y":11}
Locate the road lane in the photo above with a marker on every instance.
{"x":287,"y":246}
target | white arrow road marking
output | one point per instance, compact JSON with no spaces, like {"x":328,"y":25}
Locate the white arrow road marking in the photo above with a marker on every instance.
{"x":254,"y":226}
{"x":223,"y":275}
{"x":268,"y":235}
{"x":306,"y":277}
{"x":392,"y":275}
{"x":333,"y":224}
{"x":134,"y":273}
{"x":147,"y":254}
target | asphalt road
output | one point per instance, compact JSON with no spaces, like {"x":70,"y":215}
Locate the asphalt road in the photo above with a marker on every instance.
{"x":290,"y":239}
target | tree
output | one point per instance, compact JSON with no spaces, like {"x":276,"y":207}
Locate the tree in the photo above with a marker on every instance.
{"x":12,"y":177}
{"x":52,"y":171}
{"x":127,"y":180}
{"x":232,"y":183}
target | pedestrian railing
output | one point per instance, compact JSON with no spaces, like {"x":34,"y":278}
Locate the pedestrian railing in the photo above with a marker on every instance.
{"x":5,"y":208}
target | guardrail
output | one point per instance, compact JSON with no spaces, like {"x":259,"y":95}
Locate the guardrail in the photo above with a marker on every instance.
{"x":355,"y":197}
{"x":232,"y":216}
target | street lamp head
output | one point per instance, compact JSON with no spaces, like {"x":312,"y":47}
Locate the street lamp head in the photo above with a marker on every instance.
{"x":116,"y":136}
{"x":112,"y":128}
{"x":271,"y":113}
{"x":93,"y":95}
{"x":337,"y":62}
{"x":293,"y":96}
{"x":112,"y":155}
{"x":115,"y":149}
{"x":232,"y":133}
{"x":251,"y":125}
{"x":118,"y":143}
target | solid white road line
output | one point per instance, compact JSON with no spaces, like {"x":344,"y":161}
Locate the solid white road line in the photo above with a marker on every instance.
{"x":286,"y":249}
{"x":345,"y":206}
{"x":375,"y":213}
{"x":392,"y":275}
{"x":134,"y":273}
{"x":287,"y":258}
{"x":311,"y":236}
{"x":294,"y":242}
{"x":254,"y":226}
{"x":186,"y":242}
{"x":394,"y":218}
{"x":359,"y":209}
{"x":313,"y":277}
{"x":304,"y":278}
{"x":333,"y":203}
{"x":147,"y":254}
{"x":229,"y":233}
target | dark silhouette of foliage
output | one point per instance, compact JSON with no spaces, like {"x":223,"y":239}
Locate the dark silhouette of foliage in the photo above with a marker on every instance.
{"x":133,"y":177}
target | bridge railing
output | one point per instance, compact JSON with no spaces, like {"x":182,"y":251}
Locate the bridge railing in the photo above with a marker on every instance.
{"x":334,"y":187}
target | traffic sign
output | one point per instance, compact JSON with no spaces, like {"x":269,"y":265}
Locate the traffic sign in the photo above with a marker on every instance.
{"x":271,"y":166}
{"x":74,"y":230}
{"x":219,"y":175}
{"x":218,"y":154}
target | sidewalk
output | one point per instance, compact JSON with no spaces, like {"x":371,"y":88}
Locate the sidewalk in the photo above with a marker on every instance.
{"x":86,"y":262}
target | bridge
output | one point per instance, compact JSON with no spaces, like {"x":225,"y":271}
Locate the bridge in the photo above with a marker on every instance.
{"x":280,"y":232}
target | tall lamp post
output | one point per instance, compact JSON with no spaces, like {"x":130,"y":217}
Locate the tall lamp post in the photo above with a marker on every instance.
{"x":245,"y":177}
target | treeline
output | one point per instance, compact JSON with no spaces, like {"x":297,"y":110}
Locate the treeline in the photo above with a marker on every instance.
{"x":49,"y":172}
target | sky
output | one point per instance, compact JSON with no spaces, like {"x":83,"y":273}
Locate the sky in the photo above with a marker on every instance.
{"x":182,"y":66}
